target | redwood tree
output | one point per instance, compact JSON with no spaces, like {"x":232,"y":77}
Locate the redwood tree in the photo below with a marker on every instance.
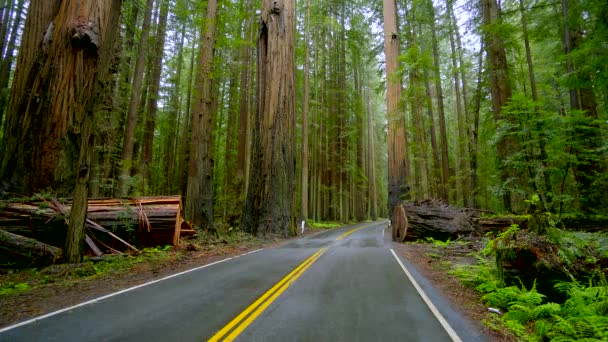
{"x":199,"y":192}
{"x":269,"y":206}
{"x":397,"y":139}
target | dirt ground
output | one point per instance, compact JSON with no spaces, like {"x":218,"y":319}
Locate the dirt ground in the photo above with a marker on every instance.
{"x":68,"y":291}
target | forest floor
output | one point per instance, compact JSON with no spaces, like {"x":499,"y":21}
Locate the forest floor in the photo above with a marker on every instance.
{"x":28,"y":294}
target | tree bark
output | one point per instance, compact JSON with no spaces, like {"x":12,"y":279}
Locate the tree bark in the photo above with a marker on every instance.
{"x":305,"y":110}
{"x":199,"y":193}
{"x":269,"y":207}
{"x":398,"y":164}
{"x":27,"y":166}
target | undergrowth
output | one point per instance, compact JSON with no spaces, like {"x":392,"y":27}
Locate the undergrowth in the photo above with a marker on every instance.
{"x":28,"y":279}
{"x":323,"y":225}
{"x":578,"y":313}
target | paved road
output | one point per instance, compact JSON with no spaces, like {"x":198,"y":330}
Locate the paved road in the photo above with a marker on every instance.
{"x":340,"y":285}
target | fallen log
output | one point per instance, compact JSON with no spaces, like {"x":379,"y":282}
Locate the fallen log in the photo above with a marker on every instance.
{"x":150,"y":221}
{"x":26,"y":251}
{"x":435,"y":219}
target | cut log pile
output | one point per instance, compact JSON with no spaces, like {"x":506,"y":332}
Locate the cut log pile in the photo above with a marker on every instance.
{"x":438,"y":220}
{"x":144,"y":221}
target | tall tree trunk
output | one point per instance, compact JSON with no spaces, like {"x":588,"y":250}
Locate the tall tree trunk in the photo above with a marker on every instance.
{"x":79,"y":40}
{"x":445,"y":162}
{"x":398,"y":162}
{"x":474,"y":146}
{"x":27,"y":164}
{"x":500,"y":88}
{"x":199,"y":193}
{"x":373,"y":200}
{"x":548,"y":193}
{"x":153,"y":94}
{"x":436,"y":183}
{"x":173,"y":129}
{"x":244,"y":145}
{"x":269,"y":207}
{"x":461,"y":138}
{"x":187,"y":134}
{"x":138,"y":76}
{"x":305,"y":110}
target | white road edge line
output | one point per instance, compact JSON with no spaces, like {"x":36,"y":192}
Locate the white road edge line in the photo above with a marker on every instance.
{"x":92,"y":301}
{"x":448,"y":328}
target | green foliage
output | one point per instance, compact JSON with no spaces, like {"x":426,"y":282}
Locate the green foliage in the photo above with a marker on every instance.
{"x":10,"y":288}
{"x":323,"y":225}
{"x":583,"y":316}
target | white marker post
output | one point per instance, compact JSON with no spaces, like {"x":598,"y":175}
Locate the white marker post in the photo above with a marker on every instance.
{"x":302,"y":226}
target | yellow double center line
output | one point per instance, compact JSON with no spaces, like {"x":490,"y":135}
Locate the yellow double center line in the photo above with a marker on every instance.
{"x":245,"y":318}
{"x":242,"y":321}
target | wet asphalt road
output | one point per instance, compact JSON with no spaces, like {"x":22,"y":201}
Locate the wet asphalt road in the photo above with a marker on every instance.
{"x":355,"y":291}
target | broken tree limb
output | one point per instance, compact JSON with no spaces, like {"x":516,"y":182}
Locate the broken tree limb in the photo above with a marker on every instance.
{"x":28,"y":251}
{"x":92,"y":245}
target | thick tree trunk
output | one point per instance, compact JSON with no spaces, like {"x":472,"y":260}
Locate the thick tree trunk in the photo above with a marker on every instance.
{"x":269,"y":207}
{"x":23,"y":169}
{"x":55,"y":115}
{"x":199,"y":193}
{"x":398,"y":163}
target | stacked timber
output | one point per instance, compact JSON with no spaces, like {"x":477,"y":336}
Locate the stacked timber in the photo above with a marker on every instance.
{"x":150,"y":221}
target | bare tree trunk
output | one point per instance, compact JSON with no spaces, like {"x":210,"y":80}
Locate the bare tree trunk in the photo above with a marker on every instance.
{"x":372,"y":163}
{"x":398,"y":164}
{"x":129,"y":137}
{"x":474,"y":146}
{"x":199,"y":193}
{"x":445,"y":162}
{"x":269,"y":207}
{"x":24,"y":130}
{"x":305,"y":110}
{"x":461,"y":137}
